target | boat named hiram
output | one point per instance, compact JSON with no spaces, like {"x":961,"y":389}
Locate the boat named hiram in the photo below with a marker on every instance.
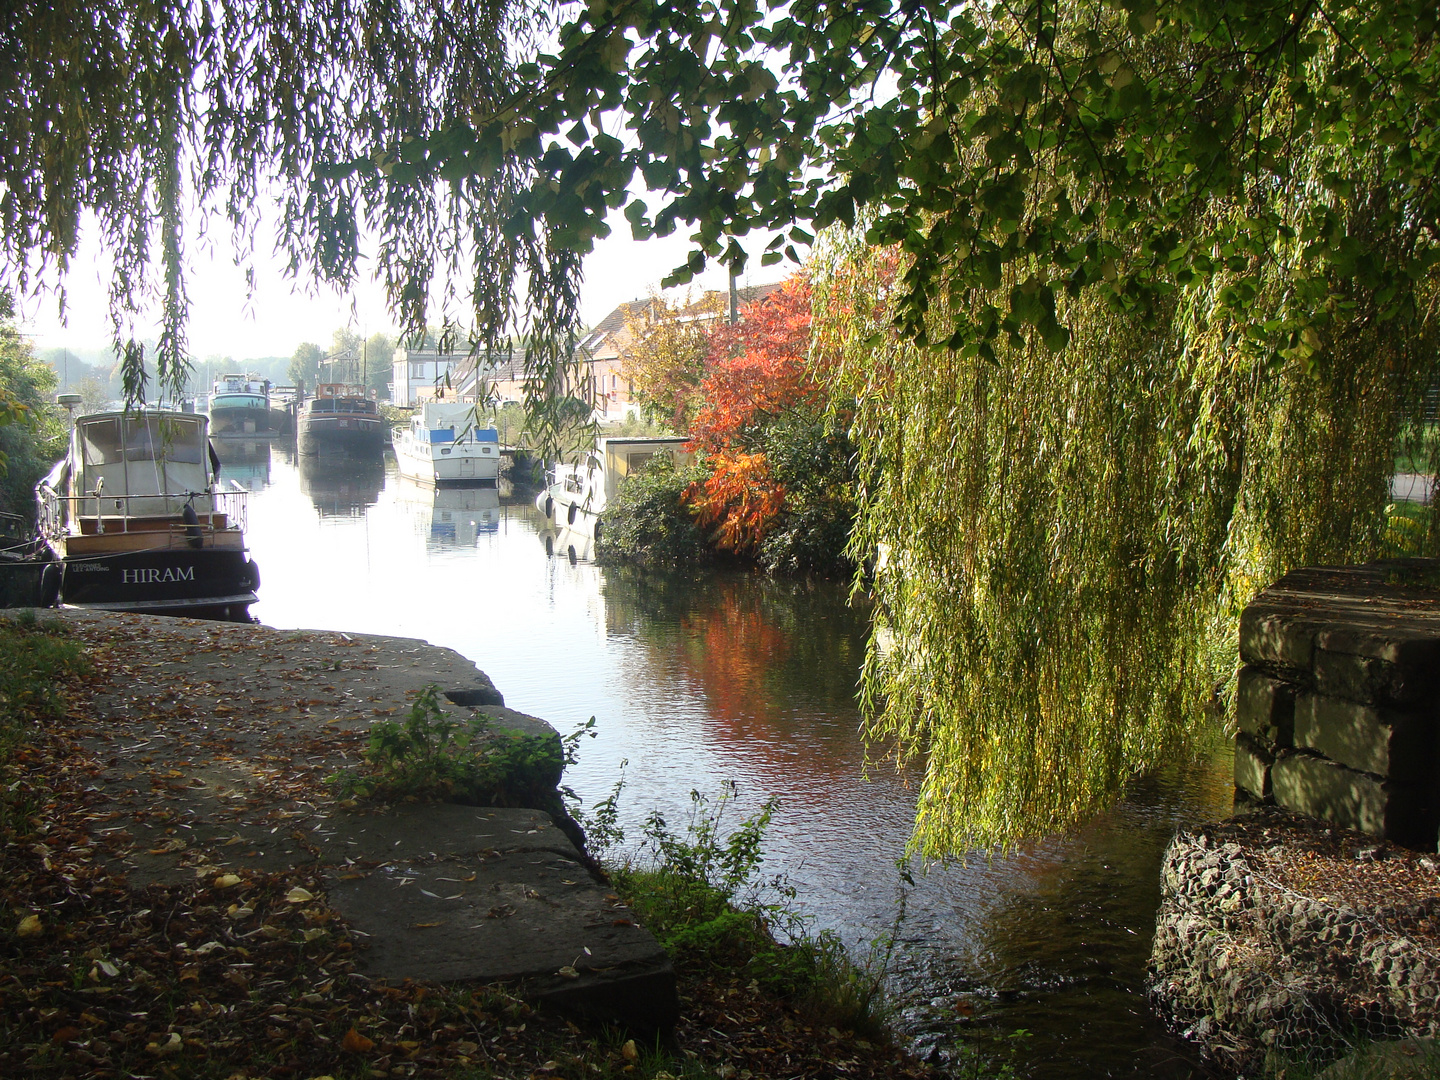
{"x":136,"y":518}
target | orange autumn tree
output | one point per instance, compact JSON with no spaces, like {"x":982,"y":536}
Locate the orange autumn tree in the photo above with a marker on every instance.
{"x":778,"y":481}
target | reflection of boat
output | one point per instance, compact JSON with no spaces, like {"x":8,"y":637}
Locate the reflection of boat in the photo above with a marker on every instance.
{"x":578,"y":491}
{"x":443,"y":445}
{"x":564,"y":542}
{"x":340,"y":483}
{"x":138,"y":520}
{"x":451,"y":516}
{"x":246,"y":461}
{"x":240,"y":405}
{"x":342,"y":417}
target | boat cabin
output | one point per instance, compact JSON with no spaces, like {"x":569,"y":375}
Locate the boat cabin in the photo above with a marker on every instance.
{"x":127,"y":471}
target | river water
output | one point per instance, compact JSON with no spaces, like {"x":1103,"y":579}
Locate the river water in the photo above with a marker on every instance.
{"x":1036,"y":958}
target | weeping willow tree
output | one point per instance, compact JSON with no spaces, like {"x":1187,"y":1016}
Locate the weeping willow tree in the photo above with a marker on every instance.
{"x":1075,"y":479}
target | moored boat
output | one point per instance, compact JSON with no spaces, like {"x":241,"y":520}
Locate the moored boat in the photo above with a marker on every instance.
{"x":137,"y":519}
{"x":240,"y":405}
{"x":444,"y":446}
{"x":578,"y":491}
{"x":341,"y":416}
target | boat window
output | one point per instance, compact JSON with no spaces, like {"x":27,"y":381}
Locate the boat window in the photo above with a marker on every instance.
{"x":150,"y":437}
{"x":100,"y":441}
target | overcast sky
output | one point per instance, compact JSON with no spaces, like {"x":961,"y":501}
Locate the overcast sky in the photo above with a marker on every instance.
{"x":280,"y":314}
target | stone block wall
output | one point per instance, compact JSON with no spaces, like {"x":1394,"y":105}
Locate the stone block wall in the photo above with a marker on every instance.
{"x":1338,"y":703}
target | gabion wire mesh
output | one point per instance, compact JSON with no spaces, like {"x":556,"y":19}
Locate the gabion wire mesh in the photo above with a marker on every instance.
{"x":1282,"y":943}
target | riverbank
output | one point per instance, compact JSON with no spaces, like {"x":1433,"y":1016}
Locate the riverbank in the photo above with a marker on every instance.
{"x":131,"y":949}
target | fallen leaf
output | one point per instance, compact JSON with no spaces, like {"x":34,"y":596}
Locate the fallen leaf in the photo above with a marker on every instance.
{"x":628,"y":1051}
{"x":173,"y":1045}
{"x":423,"y":925}
{"x":297,"y":895}
{"x":568,"y":972}
{"x":29,"y":926}
{"x":227,"y":881}
{"x":355,"y":1043}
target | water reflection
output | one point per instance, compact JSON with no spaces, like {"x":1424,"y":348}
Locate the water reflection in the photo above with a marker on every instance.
{"x":451,"y":516}
{"x":706,"y":677}
{"x":341,"y":484}
{"x":246,"y":461}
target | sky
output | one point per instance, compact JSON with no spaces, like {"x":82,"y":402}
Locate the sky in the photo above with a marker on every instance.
{"x":282,"y":313}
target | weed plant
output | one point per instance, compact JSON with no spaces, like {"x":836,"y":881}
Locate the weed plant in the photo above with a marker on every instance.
{"x":435,"y":756}
{"x":702,"y":893}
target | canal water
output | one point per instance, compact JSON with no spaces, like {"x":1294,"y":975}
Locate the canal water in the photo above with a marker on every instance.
{"x":1036,"y":958}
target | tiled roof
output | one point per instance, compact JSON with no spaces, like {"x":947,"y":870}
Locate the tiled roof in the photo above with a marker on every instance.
{"x":615,"y":322}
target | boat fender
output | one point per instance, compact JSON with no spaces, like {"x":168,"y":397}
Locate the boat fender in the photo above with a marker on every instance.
{"x":549,"y":507}
{"x":571,"y":518}
{"x":254,"y":569}
{"x":50,"y":579}
{"x":597,"y":532}
{"x":192,"y":526}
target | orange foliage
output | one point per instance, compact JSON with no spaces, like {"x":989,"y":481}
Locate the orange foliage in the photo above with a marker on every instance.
{"x":758,"y":368}
{"x":740,"y":499}
{"x":757,"y":371}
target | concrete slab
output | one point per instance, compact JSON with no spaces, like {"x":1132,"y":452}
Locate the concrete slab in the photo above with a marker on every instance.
{"x":1265,"y":707}
{"x":1370,"y":738}
{"x":1322,"y":789}
{"x":467,"y":894}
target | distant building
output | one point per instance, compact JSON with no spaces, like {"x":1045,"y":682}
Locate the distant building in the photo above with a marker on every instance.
{"x":419,"y":375}
{"x":427,"y":375}
{"x":604,"y":349}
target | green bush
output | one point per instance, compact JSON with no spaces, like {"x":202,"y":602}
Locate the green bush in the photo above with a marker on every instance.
{"x":811,"y":456}
{"x":434,"y":756}
{"x":702,"y":895}
{"x":648,"y":523}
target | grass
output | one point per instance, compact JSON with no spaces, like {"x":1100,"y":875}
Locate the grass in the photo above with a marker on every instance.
{"x":37,"y":660}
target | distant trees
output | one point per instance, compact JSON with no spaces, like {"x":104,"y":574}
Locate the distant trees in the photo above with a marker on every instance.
{"x":304,"y":369}
{"x":32,"y":431}
{"x":669,"y":344}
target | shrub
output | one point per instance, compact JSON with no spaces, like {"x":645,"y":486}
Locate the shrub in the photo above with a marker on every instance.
{"x":648,"y":525}
{"x":702,"y":895}
{"x":434,"y":756}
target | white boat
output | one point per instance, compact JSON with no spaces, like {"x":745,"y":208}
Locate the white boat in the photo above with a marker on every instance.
{"x":578,"y":491}
{"x":444,"y":446}
{"x":137,"y":519}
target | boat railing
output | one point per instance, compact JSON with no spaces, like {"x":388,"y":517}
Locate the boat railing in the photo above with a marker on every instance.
{"x":220,"y":509}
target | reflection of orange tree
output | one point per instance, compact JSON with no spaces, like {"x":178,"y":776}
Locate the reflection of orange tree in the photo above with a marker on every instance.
{"x":735,"y":652}
{"x":775,"y":659}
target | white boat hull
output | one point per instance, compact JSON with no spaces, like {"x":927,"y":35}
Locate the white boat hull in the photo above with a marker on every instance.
{"x":456,"y":463}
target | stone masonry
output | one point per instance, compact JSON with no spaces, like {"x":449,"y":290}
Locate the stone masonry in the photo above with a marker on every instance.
{"x":1338,"y":704}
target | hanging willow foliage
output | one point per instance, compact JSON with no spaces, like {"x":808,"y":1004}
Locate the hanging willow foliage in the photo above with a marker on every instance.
{"x":136,"y":111}
{"x":1061,"y":539}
